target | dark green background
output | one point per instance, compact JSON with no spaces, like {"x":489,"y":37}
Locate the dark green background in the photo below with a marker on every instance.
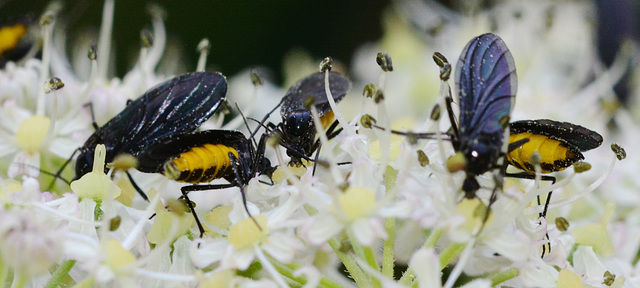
{"x":242,"y":33}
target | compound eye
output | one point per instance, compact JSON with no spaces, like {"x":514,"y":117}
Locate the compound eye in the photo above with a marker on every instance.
{"x":298,"y":123}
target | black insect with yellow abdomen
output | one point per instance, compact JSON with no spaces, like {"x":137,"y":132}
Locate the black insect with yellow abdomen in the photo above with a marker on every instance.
{"x":17,"y":39}
{"x":559,"y":144}
{"x":203,"y":156}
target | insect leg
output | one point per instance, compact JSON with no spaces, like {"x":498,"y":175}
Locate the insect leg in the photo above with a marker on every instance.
{"x":57,"y":175}
{"x":135,"y":185}
{"x":186,"y":189}
{"x":236,"y":165}
{"x":454,"y":124}
{"x":264,"y":119}
{"x":526,"y":175}
{"x":93,"y":115}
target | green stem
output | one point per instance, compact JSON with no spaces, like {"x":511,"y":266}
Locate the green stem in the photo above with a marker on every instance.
{"x":364,"y":253}
{"x":388,"y":256}
{"x":370,"y":257}
{"x":354,"y":271}
{"x":433,"y":238}
{"x":4,"y":272}
{"x":288,"y":271}
{"x":450,"y":253}
{"x":85,"y":283}
{"x":348,"y":261}
{"x":355,"y":245}
{"x":292,"y":283}
{"x":19,"y":279}
{"x":431,"y":241}
{"x":387,"y":250}
{"x":60,"y":273}
{"x":503,"y":276}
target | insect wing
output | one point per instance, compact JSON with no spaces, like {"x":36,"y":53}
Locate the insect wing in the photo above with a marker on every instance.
{"x":314,"y":86}
{"x":177,"y":106}
{"x":574,"y":135}
{"x":152,"y":158}
{"x":486,"y":82}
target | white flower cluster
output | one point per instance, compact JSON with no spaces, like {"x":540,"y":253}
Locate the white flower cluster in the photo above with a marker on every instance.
{"x":390,"y":215}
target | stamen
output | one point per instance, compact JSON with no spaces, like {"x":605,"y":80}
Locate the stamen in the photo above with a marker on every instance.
{"x":159,"y":37}
{"x":327,"y":88}
{"x":53,"y":85}
{"x":317,"y":123}
{"x":104,"y":42}
{"x":528,"y":197}
{"x":146,"y":41}
{"x":203,"y":48}
{"x":586,"y":191}
{"x":238,"y":120}
{"x":166,"y":276}
{"x":464,"y":257}
{"x":275,"y":275}
{"x":46,"y":21}
{"x":385,"y":137}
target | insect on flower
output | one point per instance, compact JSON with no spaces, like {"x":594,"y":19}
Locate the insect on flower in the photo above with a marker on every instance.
{"x":296,"y":131}
{"x":484,"y":88}
{"x":203,"y":156}
{"x":175,"y":107}
{"x":559,"y":145}
{"x":486,"y":83}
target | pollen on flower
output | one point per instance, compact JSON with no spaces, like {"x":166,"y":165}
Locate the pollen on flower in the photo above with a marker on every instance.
{"x":117,"y":256}
{"x":596,"y":235}
{"x":279,"y":175}
{"x":12,"y":187}
{"x":395,"y":148}
{"x":222,"y":278}
{"x":357,"y":202}
{"x":168,"y":224}
{"x":246,"y":234}
{"x":468,"y":208}
{"x":95,"y":184}
{"x":128,"y":192}
{"x":218,"y":217}
{"x":32,"y":132}
{"x":568,"y":279}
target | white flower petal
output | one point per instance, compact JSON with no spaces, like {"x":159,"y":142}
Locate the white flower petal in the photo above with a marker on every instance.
{"x":426,"y":266}
{"x":282,"y":247}
{"x":237,"y":259}
{"x":204,"y":252}
{"x":319,"y":229}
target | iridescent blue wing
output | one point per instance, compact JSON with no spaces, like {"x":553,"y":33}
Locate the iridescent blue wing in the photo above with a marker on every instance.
{"x":486,"y":82}
{"x":313,"y":86}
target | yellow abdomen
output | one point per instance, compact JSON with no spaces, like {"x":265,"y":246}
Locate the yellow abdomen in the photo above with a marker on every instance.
{"x":554,"y":155}
{"x":200,"y":164}
{"x":10,"y":36}
{"x":327,"y":119}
